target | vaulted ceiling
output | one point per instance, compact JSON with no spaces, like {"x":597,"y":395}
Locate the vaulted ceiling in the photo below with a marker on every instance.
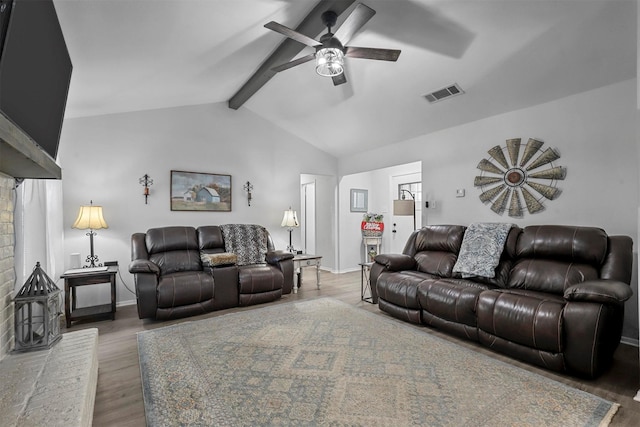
{"x":132,"y":55}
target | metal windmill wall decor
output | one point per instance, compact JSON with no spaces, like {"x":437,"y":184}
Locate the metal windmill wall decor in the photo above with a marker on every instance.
{"x":508,"y":178}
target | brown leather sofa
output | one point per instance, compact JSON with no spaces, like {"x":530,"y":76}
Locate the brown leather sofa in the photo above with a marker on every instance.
{"x":557,"y":298}
{"x":172,"y":280}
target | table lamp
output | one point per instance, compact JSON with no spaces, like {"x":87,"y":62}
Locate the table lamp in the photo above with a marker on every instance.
{"x":90,"y":218}
{"x":290,"y":220}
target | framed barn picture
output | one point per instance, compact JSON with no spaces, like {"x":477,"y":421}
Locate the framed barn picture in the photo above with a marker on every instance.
{"x":195,"y":191}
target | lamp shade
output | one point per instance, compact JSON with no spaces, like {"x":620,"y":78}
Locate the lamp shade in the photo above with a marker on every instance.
{"x":404,"y":207}
{"x":290,"y":219}
{"x":329,"y":62}
{"x":90,"y":217}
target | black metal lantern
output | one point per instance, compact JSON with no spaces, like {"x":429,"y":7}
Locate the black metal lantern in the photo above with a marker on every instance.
{"x":37,"y":312}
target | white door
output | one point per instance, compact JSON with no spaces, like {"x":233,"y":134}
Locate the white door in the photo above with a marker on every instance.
{"x":308,"y":226}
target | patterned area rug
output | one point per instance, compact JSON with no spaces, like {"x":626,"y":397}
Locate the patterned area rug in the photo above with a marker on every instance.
{"x":324,"y":362}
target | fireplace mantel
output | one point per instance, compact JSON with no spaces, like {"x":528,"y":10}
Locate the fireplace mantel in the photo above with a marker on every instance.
{"x":21,"y":157}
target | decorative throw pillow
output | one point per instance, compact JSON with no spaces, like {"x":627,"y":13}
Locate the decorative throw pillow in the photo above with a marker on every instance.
{"x":481,"y":249}
{"x":219,"y":259}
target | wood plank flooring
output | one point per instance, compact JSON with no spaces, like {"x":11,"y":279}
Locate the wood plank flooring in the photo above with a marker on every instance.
{"x":119,"y":395}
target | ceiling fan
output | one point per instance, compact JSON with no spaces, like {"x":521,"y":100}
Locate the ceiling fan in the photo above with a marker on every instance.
{"x":331,"y":49}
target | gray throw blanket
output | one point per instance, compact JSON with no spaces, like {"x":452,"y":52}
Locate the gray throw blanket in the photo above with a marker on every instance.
{"x":481,"y":249}
{"x":247,"y":241}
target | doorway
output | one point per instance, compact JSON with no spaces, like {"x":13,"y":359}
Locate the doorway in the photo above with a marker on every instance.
{"x":409,"y":186}
{"x":308,"y":214}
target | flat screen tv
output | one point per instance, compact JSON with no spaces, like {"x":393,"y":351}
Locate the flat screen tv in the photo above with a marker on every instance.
{"x":35,"y":70}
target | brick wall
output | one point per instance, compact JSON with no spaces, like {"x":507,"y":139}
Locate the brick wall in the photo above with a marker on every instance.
{"x":7,"y":271}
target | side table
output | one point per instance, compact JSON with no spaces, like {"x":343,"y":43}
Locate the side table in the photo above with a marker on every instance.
{"x":77,"y":278}
{"x":365,"y":282}
{"x":305,"y":260}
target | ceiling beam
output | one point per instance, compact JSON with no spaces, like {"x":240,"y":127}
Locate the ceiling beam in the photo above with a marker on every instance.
{"x":311,"y":26}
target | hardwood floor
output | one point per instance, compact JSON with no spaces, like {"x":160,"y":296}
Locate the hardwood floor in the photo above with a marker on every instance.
{"x":119,"y":395}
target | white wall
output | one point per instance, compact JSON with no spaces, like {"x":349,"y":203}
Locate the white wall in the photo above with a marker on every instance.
{"x":326,"y":214}
{"x":103,"y":157}
{"x":378,"y":184}
{"x":595,"y":133}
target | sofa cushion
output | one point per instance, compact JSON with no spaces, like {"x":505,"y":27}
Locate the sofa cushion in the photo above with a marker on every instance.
{"x":436,"y":263}
{"x":551,"y":258}
{"x":436,"y":249}
{"x":210,"y":239}
{"x":451,"y":299}
{"x":166,"y":239}
{"x":548,"y":275}
{"x":173,"y":249}
{"x":247,"y":241}
{"x":531,"y":319}
{"x":440,"y":238}
{"x":254,"y":279}
{"x":176,"y":261}
{"x":401,"y":288}
{"x":184,"y":288}
{"x":585,"y":245}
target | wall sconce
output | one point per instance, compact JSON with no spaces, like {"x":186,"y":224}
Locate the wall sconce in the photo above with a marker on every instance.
{"x":146,"y":181}
{"x":248,"y":187}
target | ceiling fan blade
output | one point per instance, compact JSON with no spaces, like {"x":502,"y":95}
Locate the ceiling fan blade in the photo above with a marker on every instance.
{"x":372,"y":53}
{"x":339,"y":79}
{"x":360,"y":16}
{"x":424,"y":25}
{"x":295,"y":62}
{"x":292,"y":34}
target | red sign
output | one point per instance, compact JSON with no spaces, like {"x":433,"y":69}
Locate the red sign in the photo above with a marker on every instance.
{"x":372,"y":226}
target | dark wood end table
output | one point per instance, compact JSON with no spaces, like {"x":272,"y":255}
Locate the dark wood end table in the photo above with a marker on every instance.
{"x":86,"y":277}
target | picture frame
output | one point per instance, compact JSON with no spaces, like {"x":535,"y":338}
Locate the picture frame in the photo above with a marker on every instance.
{"x":198,"y":191}
{"x":359,"y":200}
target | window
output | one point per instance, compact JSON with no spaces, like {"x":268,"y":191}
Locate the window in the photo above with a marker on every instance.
{"x":415,"y":188}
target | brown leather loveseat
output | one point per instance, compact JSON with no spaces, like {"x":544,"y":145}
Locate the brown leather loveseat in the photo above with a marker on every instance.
{"x":184,"y":271}
{"x":556,"y":298}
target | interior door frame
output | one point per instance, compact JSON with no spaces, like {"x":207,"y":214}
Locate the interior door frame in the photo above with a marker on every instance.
{"x":308,"y":217}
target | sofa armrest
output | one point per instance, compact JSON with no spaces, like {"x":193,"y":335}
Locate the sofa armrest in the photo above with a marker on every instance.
{"x":146,"y":294}
{"x":143,"y":266}
{"x":283,"y":260}
{"x":274,"y":257}
{"x":396,"y":262}
{"x":602,"y":291}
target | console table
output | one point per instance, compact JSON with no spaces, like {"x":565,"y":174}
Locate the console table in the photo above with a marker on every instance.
{"x":87,"y":277}
{"x":305,"y":260}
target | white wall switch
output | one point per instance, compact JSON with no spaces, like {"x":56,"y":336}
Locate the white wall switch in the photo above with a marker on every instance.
{"x":460,"y":192}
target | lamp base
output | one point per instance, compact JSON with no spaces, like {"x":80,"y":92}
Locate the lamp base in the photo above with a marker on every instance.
{"x":290,"y":246}
{"x":92,"y":259}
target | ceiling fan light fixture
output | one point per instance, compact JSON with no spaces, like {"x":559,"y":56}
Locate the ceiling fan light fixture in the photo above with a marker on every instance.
{"x":329,"y":62}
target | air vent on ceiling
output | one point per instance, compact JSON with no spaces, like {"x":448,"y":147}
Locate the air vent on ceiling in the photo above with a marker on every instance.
{"x":444,"y":93}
